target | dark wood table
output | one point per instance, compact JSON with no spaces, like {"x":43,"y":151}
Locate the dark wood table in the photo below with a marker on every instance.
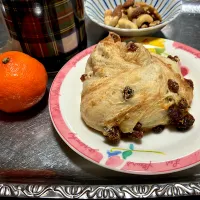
{"x":35,"y":162}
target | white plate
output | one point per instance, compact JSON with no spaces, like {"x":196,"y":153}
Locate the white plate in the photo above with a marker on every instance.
{"x":167,"y":152}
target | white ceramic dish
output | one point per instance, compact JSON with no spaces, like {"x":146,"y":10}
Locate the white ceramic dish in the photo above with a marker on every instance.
{"x":162,"y":153}
{"x":168,"y":9}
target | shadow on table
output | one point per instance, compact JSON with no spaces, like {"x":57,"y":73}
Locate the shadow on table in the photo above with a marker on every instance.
{"x":11,"y":117}
{"x":159,"y":34}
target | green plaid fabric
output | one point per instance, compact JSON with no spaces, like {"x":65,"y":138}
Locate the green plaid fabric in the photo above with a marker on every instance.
{"x":45,"y":28}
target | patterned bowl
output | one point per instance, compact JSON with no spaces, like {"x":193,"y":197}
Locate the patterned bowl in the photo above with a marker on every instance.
{"x":168,"y":9}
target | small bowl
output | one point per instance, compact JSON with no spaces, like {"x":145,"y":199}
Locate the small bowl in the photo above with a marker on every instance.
{"x":168,"y":9}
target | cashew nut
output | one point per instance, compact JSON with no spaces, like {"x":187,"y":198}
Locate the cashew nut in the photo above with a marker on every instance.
{"x":144,"y":26}
{"x":154,"y":23}
{"x":143,"y":18}
{"x":109,"y":19}
{"x":124,"y":16}
{"x":125,"y":23}
{"x":108,"y":13}
{"x":130,"y":10}
{"x":134,"y":20}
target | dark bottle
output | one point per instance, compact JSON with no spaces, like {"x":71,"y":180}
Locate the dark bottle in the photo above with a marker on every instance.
{"x":51,"y":31}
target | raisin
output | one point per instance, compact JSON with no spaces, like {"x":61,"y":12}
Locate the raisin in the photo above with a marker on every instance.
{"x":112,"y":134}
{"x":127,"y":93}
{"x":138,"y":126}
{"x":131,"y":46}
{"x":182,"y":104}
{"x":128,"y":3}
{"x":173,"y":86}
{"x":83,"y":77}
{"x":175,"y":58}
{"x":174,"y":114}
{"x":190,"y":83}
{"x":115,"y":37}
{"x":185,"y":123}
{"x":136,"y":134}
{"x":158,"y":129}
{"x":180,"y":118}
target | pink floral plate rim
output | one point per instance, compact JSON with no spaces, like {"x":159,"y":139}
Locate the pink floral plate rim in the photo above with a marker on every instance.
{"x":95,"y":156}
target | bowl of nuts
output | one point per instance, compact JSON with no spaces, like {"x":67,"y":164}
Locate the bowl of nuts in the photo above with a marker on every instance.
{"x":133,"y":17}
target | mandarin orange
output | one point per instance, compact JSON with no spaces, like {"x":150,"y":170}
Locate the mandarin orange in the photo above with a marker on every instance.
{"x":23,"y":81}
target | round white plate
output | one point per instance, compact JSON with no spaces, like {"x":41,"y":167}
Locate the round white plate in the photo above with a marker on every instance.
{"x":162,"y":153}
